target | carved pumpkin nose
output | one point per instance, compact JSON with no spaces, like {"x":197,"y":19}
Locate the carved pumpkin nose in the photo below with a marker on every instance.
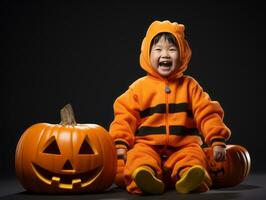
{"x":67,"y":166}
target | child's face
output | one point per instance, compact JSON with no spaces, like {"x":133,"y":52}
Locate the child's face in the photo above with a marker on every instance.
{"x":164,"y":57}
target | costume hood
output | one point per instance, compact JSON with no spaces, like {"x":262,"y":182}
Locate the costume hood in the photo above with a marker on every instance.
{"x":184,"y":50}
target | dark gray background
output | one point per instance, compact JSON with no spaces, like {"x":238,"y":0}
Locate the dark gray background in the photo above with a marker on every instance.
{"x":55,"y":53}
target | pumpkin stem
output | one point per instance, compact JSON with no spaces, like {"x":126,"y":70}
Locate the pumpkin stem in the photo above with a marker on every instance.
{"x":67,"y":115}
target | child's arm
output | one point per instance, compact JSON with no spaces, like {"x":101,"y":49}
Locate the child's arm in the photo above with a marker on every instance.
{"x":209,"y":115}
{"x":124,"y":125}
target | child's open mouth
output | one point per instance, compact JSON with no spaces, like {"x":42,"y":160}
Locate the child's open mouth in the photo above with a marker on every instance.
{"x":165,"y":65}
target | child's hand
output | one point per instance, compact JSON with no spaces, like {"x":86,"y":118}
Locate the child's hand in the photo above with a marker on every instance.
{"x":121,"y":153}
{"x":219,"y":153}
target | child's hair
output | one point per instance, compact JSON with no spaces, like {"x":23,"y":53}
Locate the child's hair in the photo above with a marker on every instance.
{"x":168,"y":36}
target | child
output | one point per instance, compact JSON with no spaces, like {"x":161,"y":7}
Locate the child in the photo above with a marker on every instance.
{"x":158,"y":120}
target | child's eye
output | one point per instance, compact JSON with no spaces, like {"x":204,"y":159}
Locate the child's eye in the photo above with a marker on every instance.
{"x":157,"y":49}
{"x":172,"y":49}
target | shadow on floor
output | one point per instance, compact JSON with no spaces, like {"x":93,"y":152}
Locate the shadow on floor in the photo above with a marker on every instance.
{"x":240,"y":187}
{"x":120,"y":194}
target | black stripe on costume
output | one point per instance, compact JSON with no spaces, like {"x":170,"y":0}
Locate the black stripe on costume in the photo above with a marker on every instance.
{"x":161,"y":108}
{"x":117,"y":142}
{"x":148,"y":130}
{"x":182,"y":130}
{"x":217,"y":140}
{"x":177,"y":107}
{"x":174,"y":130}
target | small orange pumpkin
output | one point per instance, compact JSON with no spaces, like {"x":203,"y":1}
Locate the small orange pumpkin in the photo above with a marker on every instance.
{"x":66,"y":157}
{"x":233,"y":170}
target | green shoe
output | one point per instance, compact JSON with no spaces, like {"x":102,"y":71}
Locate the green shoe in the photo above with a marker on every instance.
{"x":146,"y":180}
{"x":191,"y":180}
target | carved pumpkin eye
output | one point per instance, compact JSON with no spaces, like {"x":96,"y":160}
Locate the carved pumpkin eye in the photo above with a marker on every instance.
{"x":52,"y":147}
{"x":85,"y":147}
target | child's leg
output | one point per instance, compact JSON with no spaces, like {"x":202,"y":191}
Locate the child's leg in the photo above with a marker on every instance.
{"x":182,"y":161}
{"x":141,"y":160}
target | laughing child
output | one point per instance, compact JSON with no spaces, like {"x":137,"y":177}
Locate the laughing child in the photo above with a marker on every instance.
{"x":160,"y":120}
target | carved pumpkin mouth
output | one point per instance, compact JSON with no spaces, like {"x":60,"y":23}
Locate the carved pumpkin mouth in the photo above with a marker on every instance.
{"x":66,"y":181}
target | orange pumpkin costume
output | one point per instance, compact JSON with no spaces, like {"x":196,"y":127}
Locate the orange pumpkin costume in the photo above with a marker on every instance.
{"x":159,"y":120}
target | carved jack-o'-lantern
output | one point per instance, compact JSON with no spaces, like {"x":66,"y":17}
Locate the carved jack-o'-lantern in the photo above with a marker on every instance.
{"x":233,"y":170}
{"x":66,"y":157}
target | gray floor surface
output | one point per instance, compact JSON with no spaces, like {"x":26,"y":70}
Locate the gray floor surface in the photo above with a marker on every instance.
{"x":254,"y":187}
